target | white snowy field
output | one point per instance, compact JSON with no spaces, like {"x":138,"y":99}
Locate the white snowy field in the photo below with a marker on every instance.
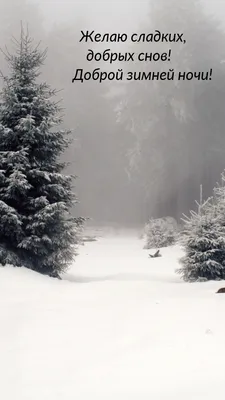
{"x":119,"y":326}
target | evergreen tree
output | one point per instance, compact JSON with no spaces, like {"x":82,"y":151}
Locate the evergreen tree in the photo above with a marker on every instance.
{"x":204,"y":244}
{"x":219,"y":200}
{"x":36,"y":228}
{"x":161,"y":232}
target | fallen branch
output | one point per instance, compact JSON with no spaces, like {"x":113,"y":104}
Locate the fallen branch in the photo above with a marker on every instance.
{"x":157,"y":254}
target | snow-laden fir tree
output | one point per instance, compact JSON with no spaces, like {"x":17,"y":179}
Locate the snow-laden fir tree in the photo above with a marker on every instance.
{"x":219,"y":200}
{"x":203,"y":239}
{"x":161,"y":232}
{"x":36,"y":228}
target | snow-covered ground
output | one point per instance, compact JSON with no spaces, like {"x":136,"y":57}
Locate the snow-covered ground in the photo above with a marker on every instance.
{"x":119,"y":326}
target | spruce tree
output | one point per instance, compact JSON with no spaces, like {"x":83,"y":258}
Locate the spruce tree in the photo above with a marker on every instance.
{"x":36,"y":228}
{"x":161,"y":232}
{"x":204,"y":244}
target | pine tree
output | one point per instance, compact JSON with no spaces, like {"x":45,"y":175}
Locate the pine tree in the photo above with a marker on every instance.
{"x":204,"y":244}
{"x":36,"y":228}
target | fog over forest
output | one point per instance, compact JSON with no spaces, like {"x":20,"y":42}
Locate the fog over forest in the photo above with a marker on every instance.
{"x":109,"y":14}
{"x":140,"y":149}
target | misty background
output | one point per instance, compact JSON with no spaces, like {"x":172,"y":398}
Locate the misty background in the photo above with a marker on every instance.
{"x":142,"y":148}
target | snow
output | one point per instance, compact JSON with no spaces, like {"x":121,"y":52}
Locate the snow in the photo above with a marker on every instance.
{"x":118,"y":326}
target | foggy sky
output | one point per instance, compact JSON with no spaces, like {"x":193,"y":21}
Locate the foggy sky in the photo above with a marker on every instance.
{"x":110,"y":15}
{"x":107,"y":14}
